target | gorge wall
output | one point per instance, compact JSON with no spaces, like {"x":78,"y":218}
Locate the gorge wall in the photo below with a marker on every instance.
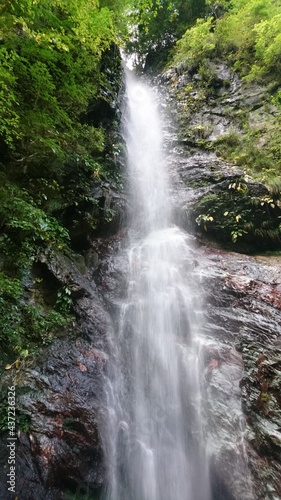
{"x":59,"y":391}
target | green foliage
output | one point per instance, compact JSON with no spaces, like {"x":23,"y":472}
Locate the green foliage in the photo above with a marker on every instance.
{"x":196,"y":44}
{"x":246,"y":32}
{"x":156,"y":24}
{"x":24,"y":324}
{"x":216,"y":8}
{"x":263,"y":162}
{"x":22,"y":421}
{"x":25,"y":228}
{"x":53,"y":69}
{"x":236,"y":215}
{"x":11,"y":328}
{"x":64,"y":300}
{"x":58,"y":65}
{"x":203,"y":219}
{"x":228,"y":143}
{"x":20,"y":217}
{"x":234,"y":30}
{"x":150,"y":22}
{"x":50,"y":60}
{"x":9,"y":124}
{"x":267,"y":48}
{"x":41,"y":325}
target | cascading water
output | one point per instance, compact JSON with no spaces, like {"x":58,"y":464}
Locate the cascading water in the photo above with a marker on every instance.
{"x":154,"y":442}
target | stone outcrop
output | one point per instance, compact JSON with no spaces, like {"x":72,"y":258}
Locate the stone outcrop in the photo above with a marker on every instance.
{"x":242,"y":326}
{"x":59,"y":397}
{"x":212,"y":111}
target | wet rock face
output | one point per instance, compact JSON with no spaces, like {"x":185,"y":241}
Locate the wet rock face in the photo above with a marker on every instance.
{"x":241,"y":320}
{"x":242,"y":371}
{"x":59,"y":399}
{"x":62,"y":397}
{"x":212,"y":103}
{"x":217,"y":198}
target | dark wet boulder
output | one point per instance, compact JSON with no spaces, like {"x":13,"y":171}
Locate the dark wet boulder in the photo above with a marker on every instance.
{"x":60,"y":398}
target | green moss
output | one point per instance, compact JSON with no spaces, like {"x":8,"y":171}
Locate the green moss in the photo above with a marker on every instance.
{"x":22,"y":421}
{"x":197,"y":183}
{"x":25,"y":326}
{"x":227,"y":142}
{"x":263,"y":162}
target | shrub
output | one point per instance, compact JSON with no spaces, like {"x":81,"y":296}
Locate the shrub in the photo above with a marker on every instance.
{"x":196,"y":44}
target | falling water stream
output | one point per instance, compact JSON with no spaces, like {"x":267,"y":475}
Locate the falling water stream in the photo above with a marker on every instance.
{"x":155,"y":439}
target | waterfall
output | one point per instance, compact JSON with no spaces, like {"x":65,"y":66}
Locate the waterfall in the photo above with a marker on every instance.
{"x":154,"y":437}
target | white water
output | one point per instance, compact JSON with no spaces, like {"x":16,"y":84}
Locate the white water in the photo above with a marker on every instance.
{"x":155,"y":441}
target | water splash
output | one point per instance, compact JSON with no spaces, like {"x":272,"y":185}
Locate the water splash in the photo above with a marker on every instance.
{"x":154,"y":443}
